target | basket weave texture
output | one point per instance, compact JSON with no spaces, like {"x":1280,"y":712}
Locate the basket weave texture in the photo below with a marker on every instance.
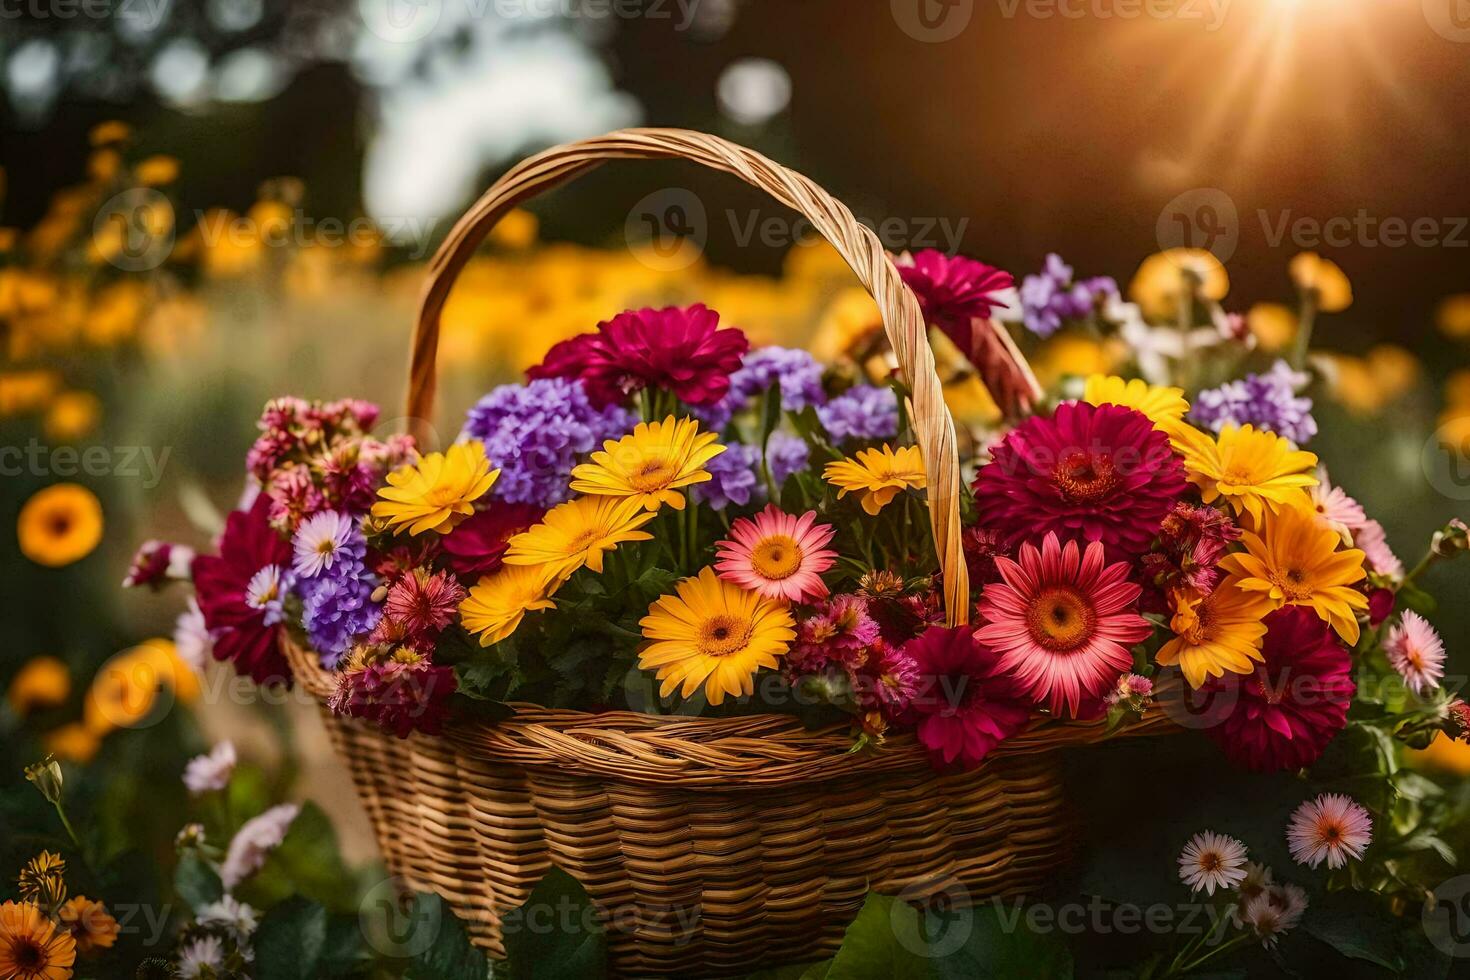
{"x":710,"y":846}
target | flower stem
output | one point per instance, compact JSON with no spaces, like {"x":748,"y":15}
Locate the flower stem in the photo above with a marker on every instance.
{"x":1306,"y":320}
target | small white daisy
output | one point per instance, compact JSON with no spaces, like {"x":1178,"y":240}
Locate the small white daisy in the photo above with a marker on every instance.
{"x":1416,"y":652}
{"x":204,"y":953}
{"x":1333,"y":827}
{"x":211,"y":772}
{"x":234,"y":915}
{"x":319,"y":541}
{"x":266,"y":591}
{"x":1211,"y":861}
{"x":1274,"y":911}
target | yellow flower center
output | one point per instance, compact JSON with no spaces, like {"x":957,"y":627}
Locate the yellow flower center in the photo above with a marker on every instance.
{"x":1294,"y":584}
{"x":653,"y":473}
{"x":1084,"y":477}
{"x":722,"y":635}
{"x":776,"y":557}
{"x":1060,"y":619}
{"x":443,"y":495}
{"x":584,"y":540}
{"x":1197,"y":626}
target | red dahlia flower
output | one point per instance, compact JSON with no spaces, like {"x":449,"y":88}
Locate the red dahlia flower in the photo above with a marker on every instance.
{"x":1282,"y":715}
{"x":476,"y":545}
{"x":418,"y":607}
{"x":682,"y":350}
{"x":1063,"y":622}
{"x":1096,"y":472}
{"x":965,"y":704}
{"x":243,"y":621}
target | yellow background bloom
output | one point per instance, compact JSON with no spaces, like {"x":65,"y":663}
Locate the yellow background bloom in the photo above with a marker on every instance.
{"x":715,"y":634}
{"x":651,"y":464}
{"x":44,"y":682}
{"x":877,"y":475}
{"x":1322,"y":277}
{"x":60,"y":525}
{"x":1162,"y":278}
{"x":438,"y":491}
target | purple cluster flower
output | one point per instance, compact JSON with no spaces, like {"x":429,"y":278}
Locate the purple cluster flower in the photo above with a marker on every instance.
{"x":1052,"y":296}
{"x":337,"y":609}
{"x":1266,"y":401}
{"x":799,"y":374}
{"x":334,"y":584}
{"x":786,"y":454}
{"x":535,"y":432}
{"x":861,"y":412}
{"x":734,"y":477}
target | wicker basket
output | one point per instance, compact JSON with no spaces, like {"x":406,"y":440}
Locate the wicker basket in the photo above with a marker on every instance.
{"x":711,"y":846}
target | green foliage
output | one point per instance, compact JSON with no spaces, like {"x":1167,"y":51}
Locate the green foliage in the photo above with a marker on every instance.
{"x":300,"y":940}
{"x":555,"y":933}
{"x":450,"y":955}
{"x":195,"y":881}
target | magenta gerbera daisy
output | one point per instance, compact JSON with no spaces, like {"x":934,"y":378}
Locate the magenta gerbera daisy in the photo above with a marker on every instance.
{"x":1063,"y":620}
{"x":1283,"y":714}
{"x":779,"y":555}
{"x":678,"y":349}
{"x":953,"y":289}
{"x":965,"y":703}
{"x":1096,"y":472}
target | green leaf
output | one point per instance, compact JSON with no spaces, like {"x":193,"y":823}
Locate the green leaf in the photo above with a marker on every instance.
{"x":1425,"y":840}
{"x":308,"y":863}
{"x":885,"y":940}
{"x":1417,"y":599}
{"x":196,"y":882}
{"x":997,"y":940}
{"x":451,"y":956}
{"x":290,"y":940}
{"x":1357,"y":926}
{"x":556,"y":933}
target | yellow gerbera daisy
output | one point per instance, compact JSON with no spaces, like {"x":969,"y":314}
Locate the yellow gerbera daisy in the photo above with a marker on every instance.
{"x":1251,"y":468}
{"x":1215,"y":633}
{"x":438,"y":491}
{"x":1160,"y":404}
{"x":577,"y":533}
{"x":1295,"y":561}
{"x":650,"y":464}
{"x":496,"y":605}
{"x":60,"y":525}
{"x":713,"y":633}
{"x":877,"y":475}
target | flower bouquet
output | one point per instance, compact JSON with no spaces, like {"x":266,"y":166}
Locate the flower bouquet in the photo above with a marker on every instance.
{"x":733,"y":635}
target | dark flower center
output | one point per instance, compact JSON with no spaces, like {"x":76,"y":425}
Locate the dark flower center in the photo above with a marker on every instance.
{"x":1084,"y":477}
{"x":1060,"y":619}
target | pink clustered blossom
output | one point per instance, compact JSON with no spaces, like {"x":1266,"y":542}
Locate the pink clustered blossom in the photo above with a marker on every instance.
{"x":1192,"y":540}
{"x":417,"y":608}
{"x":837,"y":633}
{"x":400,"y":695}
{"x":313,"y":456}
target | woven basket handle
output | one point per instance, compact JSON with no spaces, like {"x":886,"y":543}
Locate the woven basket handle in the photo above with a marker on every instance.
{"x":857,"y":245}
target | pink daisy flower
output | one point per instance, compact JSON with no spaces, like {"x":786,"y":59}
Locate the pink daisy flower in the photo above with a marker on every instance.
{"x":954,"y":289}
{"x":683,"y":350}
{"x":1374,"y":544}
{"x":1211,"y":861}
{"x":779,"y":555}
{"x":1416,"y":652}
{"x":1063,"y":621}
{"x":1095,"y":472}
{"x":1335,"y":508}
{"x":1333,"y":827}
{"x":1283,"y":714}
{"x":1274,"y":910}
{"x":965,"y":704}
{"x":838,"y":632}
